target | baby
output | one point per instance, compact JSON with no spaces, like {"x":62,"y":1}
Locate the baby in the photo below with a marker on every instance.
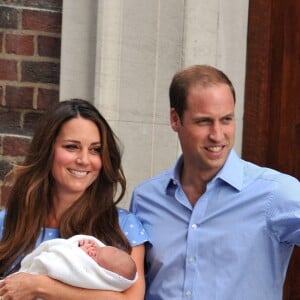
{"x":82,"y":261}
{"x":110,"y":258}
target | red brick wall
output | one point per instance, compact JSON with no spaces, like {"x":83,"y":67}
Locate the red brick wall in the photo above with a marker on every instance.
{"x":30,"y":38}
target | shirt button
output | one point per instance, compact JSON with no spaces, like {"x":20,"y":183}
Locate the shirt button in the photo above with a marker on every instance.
{"x":191,"y":259}
{"x":188,"y":293}
{"x":194,"y":226}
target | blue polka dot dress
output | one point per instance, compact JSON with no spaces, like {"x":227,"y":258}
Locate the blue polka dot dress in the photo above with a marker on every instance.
{"x":130,"y":225}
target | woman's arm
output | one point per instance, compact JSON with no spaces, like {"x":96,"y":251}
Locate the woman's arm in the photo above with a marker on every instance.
{"x":27,"y":286}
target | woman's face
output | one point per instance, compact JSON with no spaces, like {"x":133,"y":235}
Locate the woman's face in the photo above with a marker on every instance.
{"x":77,"y":161}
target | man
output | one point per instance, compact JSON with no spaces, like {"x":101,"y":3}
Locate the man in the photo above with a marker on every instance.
{"x":220,"y":228}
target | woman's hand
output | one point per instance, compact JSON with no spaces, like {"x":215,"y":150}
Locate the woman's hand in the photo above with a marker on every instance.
{"x":18,"y":286}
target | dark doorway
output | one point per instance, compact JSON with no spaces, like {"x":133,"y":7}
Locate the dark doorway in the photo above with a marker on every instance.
{"x":271,"y":134}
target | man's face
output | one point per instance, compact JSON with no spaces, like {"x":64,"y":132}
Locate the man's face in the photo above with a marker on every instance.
{"x":206,"y":130}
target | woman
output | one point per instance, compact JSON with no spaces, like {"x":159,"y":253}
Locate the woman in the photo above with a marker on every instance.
{"x":70,"y":183}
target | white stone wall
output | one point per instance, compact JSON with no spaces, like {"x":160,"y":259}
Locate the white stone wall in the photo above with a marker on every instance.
{"x":122,"y":54}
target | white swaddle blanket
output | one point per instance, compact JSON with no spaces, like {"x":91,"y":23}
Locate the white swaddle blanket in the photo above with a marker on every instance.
{"x":63,"y":260}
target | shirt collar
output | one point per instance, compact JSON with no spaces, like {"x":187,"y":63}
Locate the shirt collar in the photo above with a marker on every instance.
{"x":173,"y":174}
{"x":231,"y":173}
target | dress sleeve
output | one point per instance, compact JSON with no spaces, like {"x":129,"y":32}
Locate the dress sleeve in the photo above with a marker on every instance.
{"x":132,"y":228}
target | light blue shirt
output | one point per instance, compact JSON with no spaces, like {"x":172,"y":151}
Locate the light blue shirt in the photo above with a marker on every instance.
{"x":234,"y":244}
{"x":130,"y":225}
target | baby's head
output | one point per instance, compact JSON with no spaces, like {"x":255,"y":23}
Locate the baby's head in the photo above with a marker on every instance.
{"x":117,"y":261}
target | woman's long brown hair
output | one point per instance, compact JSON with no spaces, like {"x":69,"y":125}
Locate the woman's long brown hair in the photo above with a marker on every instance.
{"x":30,"y":199}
